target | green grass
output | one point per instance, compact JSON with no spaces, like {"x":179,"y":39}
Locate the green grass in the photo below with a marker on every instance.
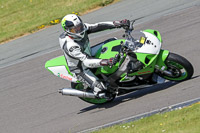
{"x":186,"y":120}
{"x":18,"y":17}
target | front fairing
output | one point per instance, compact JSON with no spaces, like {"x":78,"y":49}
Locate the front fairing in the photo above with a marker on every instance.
{"x":143,"y":42}
{"x":146,"y":46}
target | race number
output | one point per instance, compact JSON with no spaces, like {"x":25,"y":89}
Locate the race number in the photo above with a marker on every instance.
{"x":142,"y":40}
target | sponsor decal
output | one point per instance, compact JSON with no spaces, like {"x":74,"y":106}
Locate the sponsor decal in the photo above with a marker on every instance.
{"x":144,"y":72}
{"x":64,"y":77}
{"x":148,"y":42}
{"x":72,"y":48}
{"x":93,"y":64}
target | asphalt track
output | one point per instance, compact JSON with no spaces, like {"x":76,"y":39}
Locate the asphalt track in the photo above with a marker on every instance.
{"x":29,"y":101}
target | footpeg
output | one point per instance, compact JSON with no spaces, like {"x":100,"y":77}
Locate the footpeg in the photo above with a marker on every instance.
{"x":102,"y":95}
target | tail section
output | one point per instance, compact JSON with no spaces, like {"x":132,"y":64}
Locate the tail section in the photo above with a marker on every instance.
{"x":58,"y":66}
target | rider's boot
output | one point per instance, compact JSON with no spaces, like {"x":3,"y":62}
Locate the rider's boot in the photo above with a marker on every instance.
{"x":99,"y":89}
{"x":91,"y":80}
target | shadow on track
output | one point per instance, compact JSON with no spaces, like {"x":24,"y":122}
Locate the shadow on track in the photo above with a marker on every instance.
{"x":131,"y":96}
{"x":195,"y":77}
{"x":134,"y":95}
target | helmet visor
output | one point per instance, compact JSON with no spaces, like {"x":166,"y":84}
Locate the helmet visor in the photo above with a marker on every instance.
{"x":77,"y":29}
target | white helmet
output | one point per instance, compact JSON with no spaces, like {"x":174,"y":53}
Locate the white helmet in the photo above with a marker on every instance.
{"x":74,"y":26}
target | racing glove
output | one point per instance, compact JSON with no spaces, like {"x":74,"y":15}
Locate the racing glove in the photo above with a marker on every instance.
{"x":122,"y":23}
{"x":109,"y":62}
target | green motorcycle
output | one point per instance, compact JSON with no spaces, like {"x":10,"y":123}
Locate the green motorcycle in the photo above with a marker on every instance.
{"x":158,"y":65}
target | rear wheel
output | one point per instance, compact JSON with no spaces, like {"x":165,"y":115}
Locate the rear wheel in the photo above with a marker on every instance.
{"x":79,"y":86}
{"x":179,"y":67}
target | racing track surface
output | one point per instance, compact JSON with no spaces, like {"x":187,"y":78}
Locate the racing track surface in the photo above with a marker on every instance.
{"x":29,"y":101}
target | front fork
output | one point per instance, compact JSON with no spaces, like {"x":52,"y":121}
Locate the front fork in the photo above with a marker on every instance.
{"x":160,"y":66}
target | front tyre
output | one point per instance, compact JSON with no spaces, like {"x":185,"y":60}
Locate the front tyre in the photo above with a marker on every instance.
{"x":179,"y":67}
{"x":79,"y":86}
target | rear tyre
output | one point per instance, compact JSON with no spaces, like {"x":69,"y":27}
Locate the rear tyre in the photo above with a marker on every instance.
{"x":180,"y":68}
{"x":98,"y":101}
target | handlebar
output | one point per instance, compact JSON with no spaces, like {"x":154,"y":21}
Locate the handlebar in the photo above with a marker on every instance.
{"x":130,"y":27}
{"x":128,"y":30}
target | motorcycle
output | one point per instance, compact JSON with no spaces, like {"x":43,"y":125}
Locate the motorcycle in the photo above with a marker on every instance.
{"x":158,"y":65}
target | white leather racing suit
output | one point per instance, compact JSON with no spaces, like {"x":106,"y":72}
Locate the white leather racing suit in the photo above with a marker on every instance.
{"x":78,"y":54}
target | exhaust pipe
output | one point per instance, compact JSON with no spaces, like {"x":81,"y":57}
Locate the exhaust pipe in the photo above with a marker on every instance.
{"x":77,"y":93}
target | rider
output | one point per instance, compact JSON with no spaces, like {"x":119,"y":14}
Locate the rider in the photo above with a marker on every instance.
{"x":74,"y":42}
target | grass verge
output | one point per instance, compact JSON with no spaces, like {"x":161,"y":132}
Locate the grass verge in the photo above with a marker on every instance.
{"x":185,"y":120}
{"x":19,"y":17}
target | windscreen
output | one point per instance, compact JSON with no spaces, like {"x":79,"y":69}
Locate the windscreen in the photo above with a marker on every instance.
{"x":136,"y":40}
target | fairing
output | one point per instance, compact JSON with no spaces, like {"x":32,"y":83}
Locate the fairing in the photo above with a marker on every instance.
{"x":58,"y":67}
{"x":144,"y":42}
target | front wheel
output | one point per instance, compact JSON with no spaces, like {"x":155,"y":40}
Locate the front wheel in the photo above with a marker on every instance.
{"x":179,"y":67}
{"x":79,"y":86}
